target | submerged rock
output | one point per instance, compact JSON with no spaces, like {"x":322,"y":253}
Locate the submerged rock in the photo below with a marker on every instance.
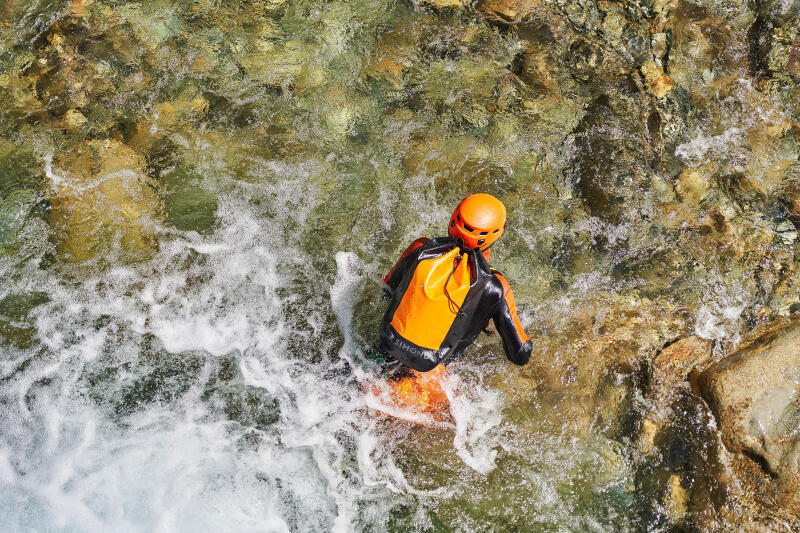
{"x":610,"y":146}
{"x":389,"y":62}
{"x":20,"y":169}
{"x":101,"y":197}
{"x":192,"y":210}
{"x":73,"y":119}
{"x":703,"y":41}
{"x":755,"y":397}
{"x":288,"y":65}
{"x":153,"y":24}
{"x":693,"y":183}
{"x":597,"y":366}
{"x":16,"y":327}
{"x":647,"y":436}
{"x":14,"y":212}
{"x":670,"y":371}
{"x":677,"y":499}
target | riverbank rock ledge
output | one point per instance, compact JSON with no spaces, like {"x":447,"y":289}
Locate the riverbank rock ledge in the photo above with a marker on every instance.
{"x":755,"y":396}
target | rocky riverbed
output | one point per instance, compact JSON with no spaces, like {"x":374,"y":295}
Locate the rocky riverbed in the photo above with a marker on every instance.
{"x":197,"y":199}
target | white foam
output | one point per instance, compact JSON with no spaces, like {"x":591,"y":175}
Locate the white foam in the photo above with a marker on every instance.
{"x":342,"y":294}
{"x":702,"y":146}
{"x":720,"y":316}
{"x":476,"y":412}
{"x":7,"y":474}
{"x":180,"y":466}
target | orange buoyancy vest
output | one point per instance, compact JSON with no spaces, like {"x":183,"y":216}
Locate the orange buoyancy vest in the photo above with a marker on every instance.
{"x":433,"y":298}
{"x":443,"y":295}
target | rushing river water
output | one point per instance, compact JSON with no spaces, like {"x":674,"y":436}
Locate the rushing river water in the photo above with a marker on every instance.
{"x":199,"y":199}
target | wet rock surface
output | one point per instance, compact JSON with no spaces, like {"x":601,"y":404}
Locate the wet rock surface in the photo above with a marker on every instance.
{"x":754,"y":396}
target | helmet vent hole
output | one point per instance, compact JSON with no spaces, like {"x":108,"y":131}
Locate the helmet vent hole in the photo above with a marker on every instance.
{"x":458,"y":216}
{"x":452,"y":223}
{"x":481,"y":241}
{"x":495,"y":231}
{"x":484,"y":233}
{"x":468,"y":228}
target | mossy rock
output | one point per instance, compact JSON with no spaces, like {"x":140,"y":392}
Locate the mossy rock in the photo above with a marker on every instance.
{"x":14,"y":211}
{"x":19,"y":168}
{"x":192,"y":209}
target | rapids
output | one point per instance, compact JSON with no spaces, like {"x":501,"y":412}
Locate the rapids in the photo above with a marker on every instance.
{"x":198,"y":200}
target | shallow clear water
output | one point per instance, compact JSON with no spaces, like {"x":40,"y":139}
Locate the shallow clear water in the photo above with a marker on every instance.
{"x":200,"y":366}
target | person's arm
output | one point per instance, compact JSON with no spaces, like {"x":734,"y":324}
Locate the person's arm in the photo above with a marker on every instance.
{"x":392,"y":283}
{"x":516,"y":343}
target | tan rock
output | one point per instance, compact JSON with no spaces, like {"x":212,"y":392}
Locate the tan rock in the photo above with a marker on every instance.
{"x":677,"y":499}
{"x":390,"y":62}
{"x":56,"y":39}
{"x":658,"y":44}
{"x":508,"y":11}
{"x":445,"y":3}
{"x":657,"y":82}
{"x":647,"y":436}
{"x":693,"y":183}
{"x":101,"y":198}
{"x":614,"y":24}
{"x":73,"y":119}
{"x":793,"y":62}
{"x":663,"y":6}
{"x":80,"y":8}
{"x":681,"y":357}
{"x":755,"y":398}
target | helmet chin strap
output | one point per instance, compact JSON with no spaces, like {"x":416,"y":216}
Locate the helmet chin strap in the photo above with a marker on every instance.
{"x":460,"y":242}
{"x":489,"y":245}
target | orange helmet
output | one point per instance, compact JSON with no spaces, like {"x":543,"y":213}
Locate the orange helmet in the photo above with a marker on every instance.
{"x":478,"y":221}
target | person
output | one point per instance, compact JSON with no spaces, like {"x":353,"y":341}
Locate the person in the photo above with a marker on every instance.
{"x":443,"y":293}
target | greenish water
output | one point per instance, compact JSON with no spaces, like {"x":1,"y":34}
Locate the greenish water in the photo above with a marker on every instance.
{"x":199,"y":198}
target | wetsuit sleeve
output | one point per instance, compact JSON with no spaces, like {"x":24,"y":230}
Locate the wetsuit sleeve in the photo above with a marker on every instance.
{"x":388,"y":278}
{"x":516,"y":343}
